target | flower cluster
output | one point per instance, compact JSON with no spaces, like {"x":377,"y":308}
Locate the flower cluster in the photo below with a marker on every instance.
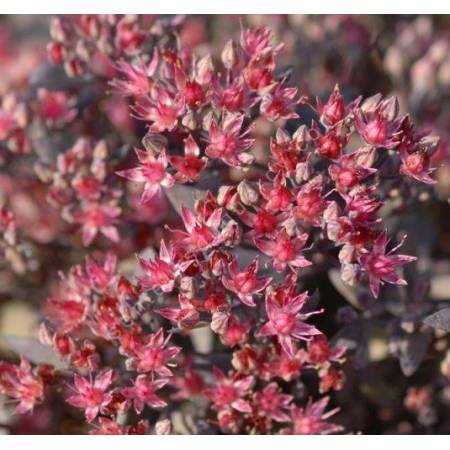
{"x":232,"y":268}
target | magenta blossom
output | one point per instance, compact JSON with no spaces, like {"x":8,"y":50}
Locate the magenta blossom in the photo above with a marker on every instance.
{"x":313,"y":419}
{"x":153,"y":355}
{"x":98,"y":217}
{"x":186,"y":316}
{"x":102,"y":276}
{"x":92,"y":396}
{"x":152,"y":171}
{"x":377,"y":122}
{"x":200,"y":234}
{"x":381,"y":266}
{"x":137,"y":77}
{"x":271,"y":402}
{"x":226,"y":142}
{"x":161,"y":107}
{"x":284,"y":250}
{"x":143,"y":393}
{"x":286,"y":322}
{"x":21,"y":384}
{"x":245,"y":284}
{"x":161,"y":272}
{"x":229,"y":392}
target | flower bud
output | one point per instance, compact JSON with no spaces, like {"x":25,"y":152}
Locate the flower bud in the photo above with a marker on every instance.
{"x":58,"y":31}
{"x":229,"y":57}
{"x":163,"y":427}
{"x":249,"y":195}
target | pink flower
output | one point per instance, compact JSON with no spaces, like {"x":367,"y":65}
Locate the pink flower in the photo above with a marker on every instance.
{"x":280,"y":103}
{"x":381,"y":266}
{"x":54,"y":107}
{"x":226,"y":142}
{"x":319,"y":351}
{"x":201,"y":234}
{"x":188,"y":384}
{"x":189,"y":167}
{"x":107,"y":426}
{"x":262,"y":222}
{"x":152,"y":355}
{"x":20,"y":383}
{"x":234,"y":330}
{"x":162,"y":272}
{"x":285,"y":320}
{"x":92,"y":396}
{"x":137,"y":77}
{"x":376,"y":122}
{"x":234,"y":98}
{"x":258,"y":74}
{"x":185,"y":317}
{"x":313,"y":419}
{"x":417,"y":165}
{"x":278,"y":196}
{"x":311,"y":202}
{"x":152,"y":171}
{"x":143,"y":393}
{"x":284,"y":250}
{"x":161,"y":107}
{"x":67,"y":313}
{"x":98,"y":217}
{"x":362,"y":206}
{"x":245,"y":284}
{"x":257,"y":41}
{"x":335,"y":110}
{"x":229,"y":392}
{"x":102,"y":276}
{"x":352,"y":168}
{"x":270,"y":403}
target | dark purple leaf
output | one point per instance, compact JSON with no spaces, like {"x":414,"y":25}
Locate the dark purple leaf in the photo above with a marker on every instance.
{"x":439,"y":320}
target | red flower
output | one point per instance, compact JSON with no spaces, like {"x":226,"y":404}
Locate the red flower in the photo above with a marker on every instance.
{"x":280,"y":103}
{"x":352,"y":168}
{"x":152,"y":355}
{"x":185,"y":317}
{"x":201,"y":234}
{"x":162,"y":272}
{"x":313,"y":419}
{"x":417,"y":165}
{"x":98,"y":217}
{"x":55,"y":107}
{"x":152,"y":171}
{"x":20,"y":383}
{"x":270,"y":403}
{"x":235,"y":331}
{"x":143,"y":393}
{"x":188,"y":384}
{"x":377,"y":124}
{"x":335,"y":110}
{"x":229,"y":392}
{"x":99,"y":276}
{"x":245,"y":284}
{"x":161,"y":107}
{"x":278,"y":196}
{"x":311,"y":203}
{"x":381,"y":266}
{"x":286,"y":322}
{"x":226,"y":142}
{"x":262,"y":223}
{"x":284,"y":250}
{"x":92,"y":396}
{"x":189,"y":167}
